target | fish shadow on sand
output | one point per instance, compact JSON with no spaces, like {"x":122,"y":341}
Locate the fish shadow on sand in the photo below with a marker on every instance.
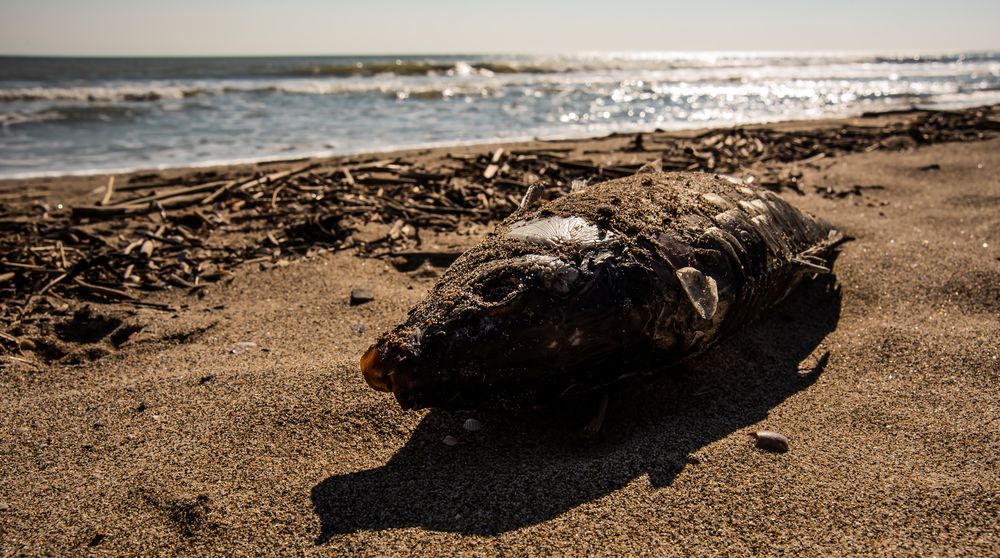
{"x":521,"y":471}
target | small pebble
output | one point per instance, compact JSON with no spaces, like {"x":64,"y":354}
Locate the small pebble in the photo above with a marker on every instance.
{"x":472,"y":425}
{"x":361,"y":296}
{"x":450,"y":440}
{"x":771,"y":441}
{"x":4,"y":507}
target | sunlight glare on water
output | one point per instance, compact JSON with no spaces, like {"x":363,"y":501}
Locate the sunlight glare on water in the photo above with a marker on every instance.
{"x":63,"y":115}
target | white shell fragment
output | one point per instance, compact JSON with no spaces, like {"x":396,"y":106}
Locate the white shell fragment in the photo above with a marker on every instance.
{"x":552,"y":231}
{"x":242,"y":347}
{"x":771,"y":441}
{"x":701,"y":290}
{"x":449,"y":441}
{"x":472,"y":425}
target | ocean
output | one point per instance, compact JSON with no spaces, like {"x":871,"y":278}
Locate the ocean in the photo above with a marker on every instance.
{"x":86,"y":115}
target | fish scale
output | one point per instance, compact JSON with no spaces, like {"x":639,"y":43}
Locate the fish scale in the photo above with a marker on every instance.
{"x":564,"y":299}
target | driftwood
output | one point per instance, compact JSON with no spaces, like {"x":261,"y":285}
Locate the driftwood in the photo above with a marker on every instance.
{"x":108,"y":192}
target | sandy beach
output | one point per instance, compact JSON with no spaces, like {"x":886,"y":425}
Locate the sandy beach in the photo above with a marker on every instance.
{"x":230,"y":418}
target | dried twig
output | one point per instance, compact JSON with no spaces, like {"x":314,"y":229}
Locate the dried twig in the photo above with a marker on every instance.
{"x":108,"y":191}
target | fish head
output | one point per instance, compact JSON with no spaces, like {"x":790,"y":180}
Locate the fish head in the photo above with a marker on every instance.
{"x":499,"y":331}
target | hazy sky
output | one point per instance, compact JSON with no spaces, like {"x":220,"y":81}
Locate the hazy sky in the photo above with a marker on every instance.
{"x":244,"y":27}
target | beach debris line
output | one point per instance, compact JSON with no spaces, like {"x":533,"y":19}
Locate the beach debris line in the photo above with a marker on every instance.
{"x":624,"y":278}
{"x":149,"y":234}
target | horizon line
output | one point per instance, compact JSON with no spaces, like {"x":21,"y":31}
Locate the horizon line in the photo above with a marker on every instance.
{"x":903,"y":51}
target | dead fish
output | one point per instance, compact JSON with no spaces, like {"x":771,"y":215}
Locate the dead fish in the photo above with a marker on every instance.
{"x":620,"y":278}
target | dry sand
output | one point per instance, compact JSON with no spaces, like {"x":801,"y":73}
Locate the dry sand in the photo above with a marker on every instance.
{"x":886,"y":384}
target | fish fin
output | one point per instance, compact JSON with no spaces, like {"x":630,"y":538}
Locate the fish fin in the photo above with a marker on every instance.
{"x":814,"y":260}
{"x":651,"y":167}
{"x":836,"y":237}
{"x":701,"y":289}
{"x":811,"y":265}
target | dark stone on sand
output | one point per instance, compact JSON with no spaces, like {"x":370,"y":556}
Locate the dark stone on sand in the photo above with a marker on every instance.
{"x":361,"y":296}
{"x":771,"y":441}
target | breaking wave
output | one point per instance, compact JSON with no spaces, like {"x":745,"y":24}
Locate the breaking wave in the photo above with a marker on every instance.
{"x":420,"y":68}
{"x":985,"y":71}
{"x":71,"y":114}
{"x":100,"y":94}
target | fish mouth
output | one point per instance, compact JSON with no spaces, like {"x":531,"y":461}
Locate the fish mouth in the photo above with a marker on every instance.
{"x":378,"y":378}
{"x":374,"y":372}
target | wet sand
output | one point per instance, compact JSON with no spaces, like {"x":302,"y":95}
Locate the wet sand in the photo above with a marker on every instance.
{"x":183,"y":441}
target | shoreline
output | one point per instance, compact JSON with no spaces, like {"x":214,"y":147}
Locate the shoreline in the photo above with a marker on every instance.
{"x":680,"y":129}
{"x":73,"y":185}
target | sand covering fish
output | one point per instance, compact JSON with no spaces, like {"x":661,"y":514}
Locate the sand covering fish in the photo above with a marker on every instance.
{"x":624,"y":277}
